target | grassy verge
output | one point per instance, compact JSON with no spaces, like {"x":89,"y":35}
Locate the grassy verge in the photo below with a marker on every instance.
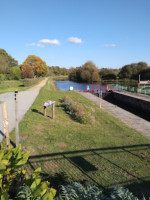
{"x":103,"y":153}
{"x":20,"y":85}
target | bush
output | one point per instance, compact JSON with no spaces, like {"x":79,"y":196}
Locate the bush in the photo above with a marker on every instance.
{"x":13,"y":181}
{"x":76,"y":110}
{"x":76,"y":191}
{"x":3,"y":77}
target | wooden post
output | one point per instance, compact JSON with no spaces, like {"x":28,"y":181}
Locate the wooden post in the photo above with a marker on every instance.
{"x":100,"y":99}
{"x":44,"y":111}
{"x":16,"y":116}
{"x":6,"y":129}
{"x":53,"y":111}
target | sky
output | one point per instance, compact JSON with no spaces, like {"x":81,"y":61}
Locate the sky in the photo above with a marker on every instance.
{"x":68,"y":33}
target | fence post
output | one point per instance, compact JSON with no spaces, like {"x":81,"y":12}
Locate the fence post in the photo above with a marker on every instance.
{"x":16,"y":115}
{"x":6,"y":129}
{"x":53,"y":110}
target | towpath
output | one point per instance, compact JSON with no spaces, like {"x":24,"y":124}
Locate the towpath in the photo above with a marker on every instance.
{"x":128,"y":118}
{"x":25,"y":100}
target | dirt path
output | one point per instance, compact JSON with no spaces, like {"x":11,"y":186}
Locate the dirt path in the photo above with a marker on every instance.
{"x":39,"y":86}
{"x":25,"y":100}
{"x":128,"y":118}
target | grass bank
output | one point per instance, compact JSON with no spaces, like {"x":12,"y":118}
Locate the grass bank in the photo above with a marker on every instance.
{"x":103,"y":153}
{"x":20,"y":85}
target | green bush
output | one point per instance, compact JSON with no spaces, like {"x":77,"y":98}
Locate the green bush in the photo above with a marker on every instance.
{"x":3,"y":77}
{"x":16,"y":73}
{"x":13,"y":181}
{"x":76,"y":191}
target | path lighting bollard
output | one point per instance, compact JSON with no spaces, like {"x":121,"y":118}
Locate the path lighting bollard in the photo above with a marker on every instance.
{"x":16,"y":116}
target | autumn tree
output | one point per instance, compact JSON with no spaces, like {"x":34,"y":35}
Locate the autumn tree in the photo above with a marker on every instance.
{"x":27,"y":71}
{"x":36,"y":65}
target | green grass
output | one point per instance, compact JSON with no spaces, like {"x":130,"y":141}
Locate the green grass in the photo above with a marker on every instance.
{"x":104,"y":153}
{"x":12,"y":85}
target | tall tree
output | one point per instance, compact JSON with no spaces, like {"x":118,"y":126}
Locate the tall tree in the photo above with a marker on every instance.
{"x":6,"y":61}
{"x":36,"y":64}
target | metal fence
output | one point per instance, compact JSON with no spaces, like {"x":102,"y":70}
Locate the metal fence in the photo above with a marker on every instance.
{"x":143,"y":89}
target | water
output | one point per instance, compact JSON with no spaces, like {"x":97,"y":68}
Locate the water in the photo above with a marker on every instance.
{"x":65,"y":85}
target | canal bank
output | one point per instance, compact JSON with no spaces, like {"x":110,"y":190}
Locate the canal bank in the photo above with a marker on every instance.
{"x":132,"y":120}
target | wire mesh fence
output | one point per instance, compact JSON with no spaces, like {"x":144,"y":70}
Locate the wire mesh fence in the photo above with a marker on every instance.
{"x":103,"y":167}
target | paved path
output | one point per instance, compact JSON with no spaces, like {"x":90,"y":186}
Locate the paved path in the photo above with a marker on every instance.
{"x":128,"y":118}
{"x":25,"y":100}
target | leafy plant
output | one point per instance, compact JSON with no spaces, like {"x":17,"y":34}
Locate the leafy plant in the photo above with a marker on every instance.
{"x":13,"y":181}
{"x":76,"y":191}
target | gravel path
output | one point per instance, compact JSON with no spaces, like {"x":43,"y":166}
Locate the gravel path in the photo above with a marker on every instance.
{"x":25,"y":100}
{"x":128,"y":118}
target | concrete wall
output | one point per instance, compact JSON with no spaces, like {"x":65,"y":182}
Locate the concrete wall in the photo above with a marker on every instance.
{"x":139,"y":104}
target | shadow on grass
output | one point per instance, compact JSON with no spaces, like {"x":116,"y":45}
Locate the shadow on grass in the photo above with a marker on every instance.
{"x":40,"y":113}
{"x":36,"y":111}
{"x":87,"y":166}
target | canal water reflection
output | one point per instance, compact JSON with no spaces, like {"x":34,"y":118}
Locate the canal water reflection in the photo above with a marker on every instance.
{"x":65,"y":85}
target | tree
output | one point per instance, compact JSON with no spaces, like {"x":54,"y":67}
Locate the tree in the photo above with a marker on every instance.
{"x":133,"y":70}
{"x":27,"y":71}
{"x":109,"y":74}
{"x":6,"y":61}
{"x":86,"y":76}
{"x":36,"y":65}
{"x":87,"y":73}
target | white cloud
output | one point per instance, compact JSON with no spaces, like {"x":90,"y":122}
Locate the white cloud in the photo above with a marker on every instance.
{"x":31,"y":44}
{"x":45,"y":42}
{"x":109,"y":45}
{"x":75,"y":40}
{"x":49,"y":42}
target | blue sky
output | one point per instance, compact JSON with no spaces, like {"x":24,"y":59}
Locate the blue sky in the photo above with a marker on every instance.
{"x":68,"y":33}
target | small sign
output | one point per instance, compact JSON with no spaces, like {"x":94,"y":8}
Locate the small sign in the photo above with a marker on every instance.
{"x":48,"y":103}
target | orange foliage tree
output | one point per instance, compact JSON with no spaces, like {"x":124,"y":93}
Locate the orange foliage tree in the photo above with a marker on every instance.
{"x":36,"y":65}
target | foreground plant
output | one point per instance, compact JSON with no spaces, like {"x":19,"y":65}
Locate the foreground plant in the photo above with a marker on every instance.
{"x":14,"y":183}
{"x":77,"y":191}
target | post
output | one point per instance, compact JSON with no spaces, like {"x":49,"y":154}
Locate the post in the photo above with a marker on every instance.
{"x":6,"y":129}
{"x":53,"y":111}
{"x":100,"y":99}
{"x":16,"y":115}
{"x":44,"y":111}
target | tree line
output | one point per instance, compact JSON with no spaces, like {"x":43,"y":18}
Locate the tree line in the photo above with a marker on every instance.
{"x":89,"y":73}
{"x":34,"y":66}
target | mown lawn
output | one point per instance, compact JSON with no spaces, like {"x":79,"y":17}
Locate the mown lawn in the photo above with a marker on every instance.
{"x":104,"y":153}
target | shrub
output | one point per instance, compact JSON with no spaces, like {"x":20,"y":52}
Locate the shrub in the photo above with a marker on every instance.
{"x":76,"y":191}
{"x":13,"y":181}
{"x":76,"y":110}
{"x":3,"y":77}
